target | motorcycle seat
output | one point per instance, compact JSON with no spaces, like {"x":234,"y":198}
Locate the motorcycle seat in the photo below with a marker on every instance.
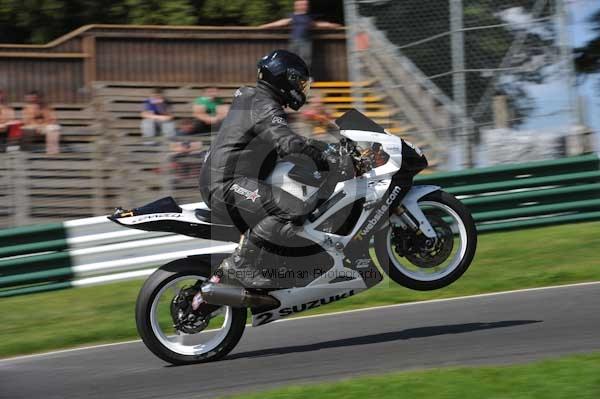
{"x":203,"y":215}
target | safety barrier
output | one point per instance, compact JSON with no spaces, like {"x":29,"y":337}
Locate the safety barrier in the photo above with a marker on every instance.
{"x":86,"y":252}
{"x":525,"y":195}
{"x":95,"y":251}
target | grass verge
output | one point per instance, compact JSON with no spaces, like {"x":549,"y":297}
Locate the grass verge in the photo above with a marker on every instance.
{"x":568,"y":377}
{"x":504,"y":261}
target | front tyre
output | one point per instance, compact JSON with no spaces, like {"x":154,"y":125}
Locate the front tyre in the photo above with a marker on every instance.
{"x":420,"y":264}
{"x":169,"y":329}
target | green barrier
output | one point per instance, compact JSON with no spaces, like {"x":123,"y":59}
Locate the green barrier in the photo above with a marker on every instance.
{"x":34,"y":262}
{"x":515,"y":184}
{"x":509,"y":172}
{"x":64,"y":273}
{"x":545,"y":196}
{"x":34,"y":247}
{"x":538,"y":222}
{"x":35,"y":289}
{"x":575,"y":206}
{"x":32,"y":234}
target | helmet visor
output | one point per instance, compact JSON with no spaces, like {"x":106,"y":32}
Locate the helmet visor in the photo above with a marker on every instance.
{"x":305,"y":85}
{"x":299,"y":81}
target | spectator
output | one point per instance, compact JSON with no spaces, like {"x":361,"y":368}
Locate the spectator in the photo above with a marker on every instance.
{"x":209,"y":111}
{"x":188,"y":157}
{"x":317,"y":115}
{"x":7,"y":121}
{"x":302,"y":23}
{"x":180,"y":143}
{"x":157,"y":116}
{"x":39,"y":120}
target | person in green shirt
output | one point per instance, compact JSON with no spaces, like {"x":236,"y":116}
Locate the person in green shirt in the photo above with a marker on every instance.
{"x":209,"y":111}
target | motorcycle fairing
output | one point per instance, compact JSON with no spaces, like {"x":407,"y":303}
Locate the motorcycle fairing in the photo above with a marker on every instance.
{"x":165,"y":215}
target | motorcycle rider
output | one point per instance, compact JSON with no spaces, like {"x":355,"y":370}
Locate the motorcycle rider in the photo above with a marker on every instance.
{"x":252,"y":137}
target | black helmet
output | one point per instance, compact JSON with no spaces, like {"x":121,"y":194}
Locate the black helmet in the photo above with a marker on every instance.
{"x":287,"y":74}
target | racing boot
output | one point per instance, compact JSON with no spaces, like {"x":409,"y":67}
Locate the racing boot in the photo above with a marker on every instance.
{"x":242,"y":268}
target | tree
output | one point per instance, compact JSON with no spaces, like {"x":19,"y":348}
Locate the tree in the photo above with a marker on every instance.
{"x":244,"y":12}
{"x":40,"y":21}
{"x":587,"y":57}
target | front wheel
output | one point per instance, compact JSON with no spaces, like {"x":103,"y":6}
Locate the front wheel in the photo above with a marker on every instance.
{"x":415,"y":262}
{"x":172,"y":330}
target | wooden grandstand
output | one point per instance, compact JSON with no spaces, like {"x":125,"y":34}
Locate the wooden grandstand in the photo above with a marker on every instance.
{"x":105,"y":162}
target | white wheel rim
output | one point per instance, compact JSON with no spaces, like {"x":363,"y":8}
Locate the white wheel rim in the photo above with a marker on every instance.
{"x":177,"y":343}
{"x":420,"y":275}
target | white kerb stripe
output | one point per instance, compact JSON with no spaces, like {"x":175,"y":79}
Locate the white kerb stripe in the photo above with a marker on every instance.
{"x":132,"y":244}
{"x":85,"y":222}
{"x":133,"y":263}
{"x":102,"y":237}
{"x":113,"y":277}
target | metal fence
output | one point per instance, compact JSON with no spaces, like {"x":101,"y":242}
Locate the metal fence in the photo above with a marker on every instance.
{"x":502,"y":69}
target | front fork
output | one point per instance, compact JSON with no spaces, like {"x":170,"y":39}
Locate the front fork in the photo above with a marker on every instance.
{"x":410,"y":215}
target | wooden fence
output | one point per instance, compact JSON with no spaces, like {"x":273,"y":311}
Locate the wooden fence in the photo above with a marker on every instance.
{"x":65,"y":68}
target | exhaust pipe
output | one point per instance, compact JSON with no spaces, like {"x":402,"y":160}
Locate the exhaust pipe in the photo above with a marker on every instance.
{"x":238,"y":297}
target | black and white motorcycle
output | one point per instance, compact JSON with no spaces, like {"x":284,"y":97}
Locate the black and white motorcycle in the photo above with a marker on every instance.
{"x":425,"y":242}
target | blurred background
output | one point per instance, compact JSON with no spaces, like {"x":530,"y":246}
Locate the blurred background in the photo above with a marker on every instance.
{"x":115,"y":103}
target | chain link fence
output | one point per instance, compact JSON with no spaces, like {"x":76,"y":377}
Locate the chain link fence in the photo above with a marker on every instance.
{"x":504,"y":68}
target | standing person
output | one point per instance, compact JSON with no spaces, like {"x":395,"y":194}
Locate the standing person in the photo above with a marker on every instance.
{"x":7,"y":120}
{"x":302,"y":23}
{"x":39,"y":119}
{"x":209,"y":111}
{"x":157,"y":116}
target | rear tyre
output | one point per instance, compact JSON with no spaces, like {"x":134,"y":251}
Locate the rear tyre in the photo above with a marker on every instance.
{"x":446,"y":261}
{"x":154,"y":311}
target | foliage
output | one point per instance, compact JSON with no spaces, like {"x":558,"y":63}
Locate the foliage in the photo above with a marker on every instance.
{"x":566,"y":377}
{"x":245,"y":12}
{"x":587,"y":57}
{"x":40,"y":21}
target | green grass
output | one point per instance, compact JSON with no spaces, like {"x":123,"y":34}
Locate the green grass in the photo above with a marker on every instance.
{"x":568,"y":377}
{"x":504,"y":261}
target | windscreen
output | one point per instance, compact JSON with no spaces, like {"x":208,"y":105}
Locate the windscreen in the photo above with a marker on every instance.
{"x":355,"y":120}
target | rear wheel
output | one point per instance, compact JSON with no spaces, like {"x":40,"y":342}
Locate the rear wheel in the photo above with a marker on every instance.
{"x":425,"y":264}
{"x":171,"y":329}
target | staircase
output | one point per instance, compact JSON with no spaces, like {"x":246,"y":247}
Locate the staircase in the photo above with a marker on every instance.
{"x":421,"y":106}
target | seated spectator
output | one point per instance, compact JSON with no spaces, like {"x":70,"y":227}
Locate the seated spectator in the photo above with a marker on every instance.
{"x":317,"y":115}
{"x":209,"y":111}
{"x":188,"y":156}
{"x":182,"y":146}
{"x":7,"y":121}
{"x":157,"y":116}
{"x":39,"y":121}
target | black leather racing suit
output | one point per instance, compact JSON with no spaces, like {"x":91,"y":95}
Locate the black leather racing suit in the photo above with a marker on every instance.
{"x":253,"y":135}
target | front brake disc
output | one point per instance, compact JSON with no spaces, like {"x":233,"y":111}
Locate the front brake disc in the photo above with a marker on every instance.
{"x":425,"y":257}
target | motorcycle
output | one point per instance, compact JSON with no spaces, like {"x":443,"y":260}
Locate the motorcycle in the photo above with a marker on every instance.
{"x":425,"y":241}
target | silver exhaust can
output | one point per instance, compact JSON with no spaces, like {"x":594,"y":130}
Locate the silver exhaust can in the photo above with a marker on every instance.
{"x":238,"y":297}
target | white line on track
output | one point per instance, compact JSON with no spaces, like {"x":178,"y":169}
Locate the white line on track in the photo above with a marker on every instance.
{"x":458,"y":298}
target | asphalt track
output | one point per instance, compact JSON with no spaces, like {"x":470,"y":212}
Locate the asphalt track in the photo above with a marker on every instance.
{"x":495,"y":329}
